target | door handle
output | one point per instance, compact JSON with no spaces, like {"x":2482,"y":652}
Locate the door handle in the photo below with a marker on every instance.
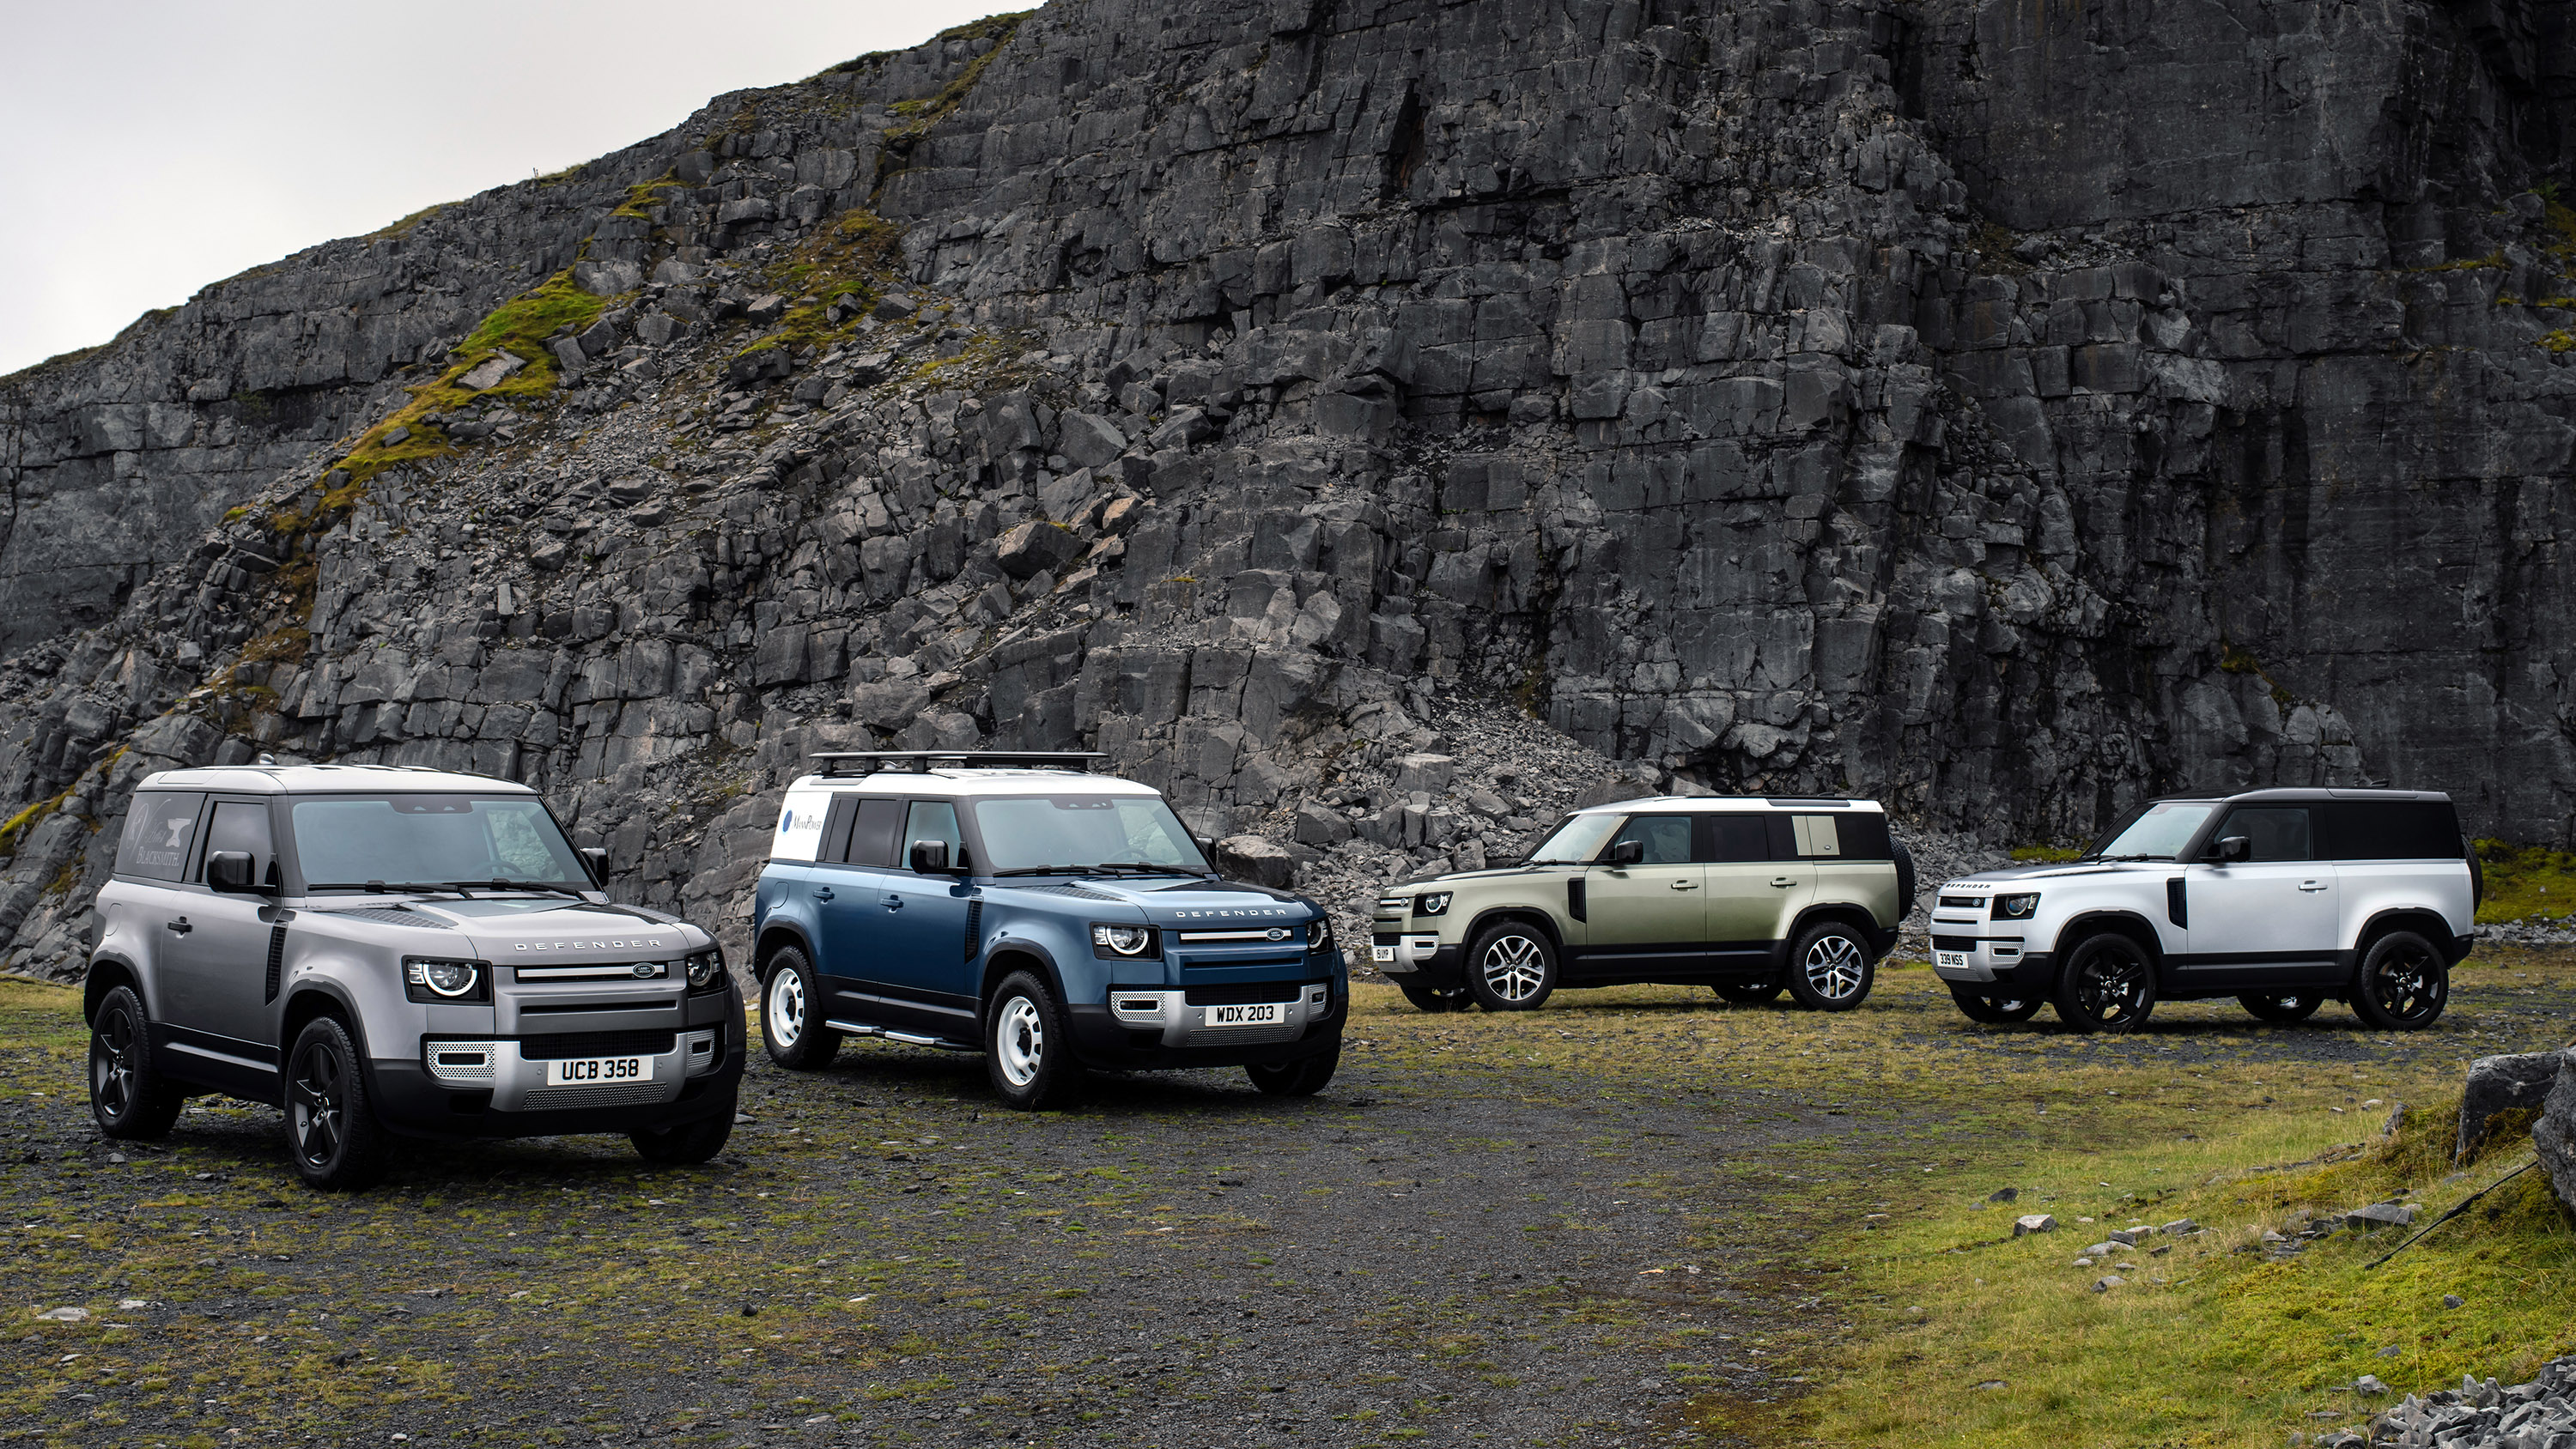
{"x":180,"y":925}
{"x":823,"y":894}
{"x":1783,"y":882}
{"x":2312,"y":885}
{"x":894,"y":903}
{"x":1685,"y":885}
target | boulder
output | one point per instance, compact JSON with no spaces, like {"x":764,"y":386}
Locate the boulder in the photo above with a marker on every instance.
{"x":1251,"y":858}
{"x":2029,"y":1223}
{"x":2501,"y":1084}
{"x":1035,"y":547}
{"x":2553,"y":1133}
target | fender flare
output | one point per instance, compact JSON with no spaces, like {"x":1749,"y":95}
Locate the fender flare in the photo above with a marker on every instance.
{"x":999,"y":961}
{"x":2131,"y":924}
{"x":2423,"y":920}
{"x":1847,"y":912}
{"x":1527,"y":915}
{"x":774,"y":933}
{"x":107,"y":971}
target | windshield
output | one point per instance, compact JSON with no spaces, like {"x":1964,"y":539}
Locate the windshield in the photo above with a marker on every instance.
{"x":353,"y":841}
{"x":1575,"y":841}
{"x":2154,"y":832}
{"x":1085,"y":832}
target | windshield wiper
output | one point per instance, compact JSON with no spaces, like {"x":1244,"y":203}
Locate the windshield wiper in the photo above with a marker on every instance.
{"x":466,"y":887}
{"x":2100,"y":858}
{"x":1138,"y":867}
{"x":1040,"y":870}
{"x":386,"y":888}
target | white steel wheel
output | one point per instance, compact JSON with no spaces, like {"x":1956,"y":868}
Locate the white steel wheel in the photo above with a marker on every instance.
{"x":1830,"y":968}
{"x":1019,"y":1041}
{"x":791,"y":1023}
{"x":1511,"y":967}
{"x":786,"y":1023}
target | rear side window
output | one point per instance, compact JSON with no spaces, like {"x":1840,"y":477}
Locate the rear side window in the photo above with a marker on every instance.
{"x":159,"y":831}
{"x":2279,"y":832}
{"x":1864,"y":836}
{"x":2388,"y":830}
{"x":872,"y":838}
{"x":1667,"y":838}
{"x":1733,"y":839}
{"x":242,"y":825}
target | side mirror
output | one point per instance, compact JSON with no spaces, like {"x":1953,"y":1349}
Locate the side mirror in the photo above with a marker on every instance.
{"x":2236,"y":848}
{"x":1206,"y":846}
{"x":595,"y":860}
{"x":228,"y":872}
{"x":1628,"y":852}
{"x":930,"y":857}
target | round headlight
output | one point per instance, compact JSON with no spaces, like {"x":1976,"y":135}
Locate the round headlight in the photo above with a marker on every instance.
{"x":1436,"y":903}
{"x":704,"y":967}
{"x":1125,"y":940}
{"x":447,"y":978}
{"x":2017,"y":907}
{"x":1319,"y":934}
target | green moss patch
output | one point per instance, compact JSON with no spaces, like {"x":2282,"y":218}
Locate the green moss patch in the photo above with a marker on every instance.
{"x":2523,"y":881}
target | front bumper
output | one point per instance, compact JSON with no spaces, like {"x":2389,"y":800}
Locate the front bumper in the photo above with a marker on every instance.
{"x":485,"y":1087}
{"x":1417,"y":955}
{"x":1147,"y":1028}
{"x":1989,"y":957}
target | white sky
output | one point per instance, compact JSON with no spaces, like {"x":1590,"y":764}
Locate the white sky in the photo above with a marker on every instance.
{"x":159,"y":145}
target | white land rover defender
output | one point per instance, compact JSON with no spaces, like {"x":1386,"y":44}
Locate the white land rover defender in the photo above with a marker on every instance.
{"x":2279,"y":898}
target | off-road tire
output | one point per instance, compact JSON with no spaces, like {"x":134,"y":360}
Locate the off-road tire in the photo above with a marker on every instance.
{"x":1992,"y":1009}
{"x":1747,"y":993}
{"x":791,"y":1014}
{"x":2282,"y":1010}
{"x":1302,"y":1078}
{"x":127,"y":1094}
{"x":2108,"y":984}
{"x":1028,"y":1046}
{"x":331,"y":1131}
{"x":1830,"y":968}
{"x":688,"y":1144}
{"x":1511,"y":966}
{"x":2402,"y":983}
{"x":1434,"y":1000}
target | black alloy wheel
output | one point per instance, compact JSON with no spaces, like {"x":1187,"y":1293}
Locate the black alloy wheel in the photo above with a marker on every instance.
{"x":1301,"y":1078}
{"x":2403,"y":983}
{"x":2108,"y":984}
{"x":1432,"y":999}
{"x":1992,"y":1008}
{"x":126,"y":1095}
{"x":2282,"y":1010}
{"x":331,"y":1129}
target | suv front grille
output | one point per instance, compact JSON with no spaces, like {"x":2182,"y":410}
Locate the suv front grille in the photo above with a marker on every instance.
{"x":570,"y":1044}
{"x":1954,"y":943}
{"x":1973,"y":903}
{"x":1246,"y":993}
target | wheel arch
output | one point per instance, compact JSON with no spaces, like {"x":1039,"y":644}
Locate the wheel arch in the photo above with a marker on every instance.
{"x":1493,"y":916}
{"x":1844,"y":913}
{"x":774,"y":936}
{"x":2126,"y":923}
{"x":106,"y":973}
{"x":2422,"y":920}
{"x":1008,"y":956}
{"x":320,"y":998}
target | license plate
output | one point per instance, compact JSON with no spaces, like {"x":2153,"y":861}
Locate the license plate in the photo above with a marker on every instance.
{"x":1381,"y":953}
{"x":1266,"y":1013}
{"x":579,"y":1071}
{"x":1958,"y":959}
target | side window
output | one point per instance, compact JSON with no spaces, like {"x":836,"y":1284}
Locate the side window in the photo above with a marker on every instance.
{"x":241,"y":825}
{"x":872,"y":840}
{"x":1733,"y":839}
{"x":1667,"y":838}
{"x":2279,"y":832}
{"x":160,"y":829}
{"x":1818,"y":836}
{"x":933,"y":820}
{"x":2387,"y":830}
{"x":836,"y":830}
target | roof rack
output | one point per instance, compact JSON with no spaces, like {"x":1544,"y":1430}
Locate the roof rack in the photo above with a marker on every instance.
{"x":921,"y":762}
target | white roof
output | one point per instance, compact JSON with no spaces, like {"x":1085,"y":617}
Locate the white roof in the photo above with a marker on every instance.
{"x":968,"y":781}
{"x":1678,"y":804}
{"x":328,"y":779}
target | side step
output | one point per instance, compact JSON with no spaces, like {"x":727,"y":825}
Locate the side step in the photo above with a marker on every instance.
{"x":908,"y":1038}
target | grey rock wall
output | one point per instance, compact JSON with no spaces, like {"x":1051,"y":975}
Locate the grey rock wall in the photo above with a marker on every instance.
{"x":2005,"y":414}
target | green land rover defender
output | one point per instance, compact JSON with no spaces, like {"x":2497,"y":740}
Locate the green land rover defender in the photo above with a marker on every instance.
{"x":1746,"y":895}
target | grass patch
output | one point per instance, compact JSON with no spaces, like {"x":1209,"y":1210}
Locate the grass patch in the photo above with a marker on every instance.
{"x":854,"y":257}
{"x":13,"y":831}
{"x":2048,"y":854}
{"x":2523,"y":881}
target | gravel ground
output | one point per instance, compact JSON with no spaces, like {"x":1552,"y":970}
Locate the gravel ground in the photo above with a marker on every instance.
{"x":1612,"y":1222}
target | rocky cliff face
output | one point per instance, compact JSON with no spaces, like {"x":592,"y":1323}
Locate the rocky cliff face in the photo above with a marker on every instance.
{"x":2006,"y":411}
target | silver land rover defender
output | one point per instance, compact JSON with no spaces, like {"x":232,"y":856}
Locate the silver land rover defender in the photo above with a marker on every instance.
{"x":395,"y":951}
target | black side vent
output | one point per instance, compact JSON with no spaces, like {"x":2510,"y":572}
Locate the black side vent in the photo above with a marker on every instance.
{"x":276,"y":959}
{"x":974,"y":925}
{"x":2177,"y":906}
{"x":1574,"y":904}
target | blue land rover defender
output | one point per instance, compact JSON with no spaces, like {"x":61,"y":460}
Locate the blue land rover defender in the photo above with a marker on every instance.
{"x":1053,"y":919}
